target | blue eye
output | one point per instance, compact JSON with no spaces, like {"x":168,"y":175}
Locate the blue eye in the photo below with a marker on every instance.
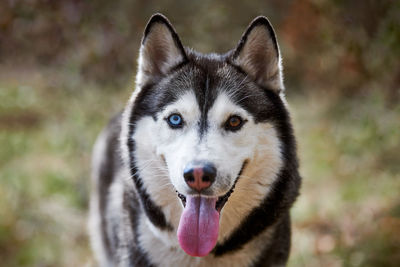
{"x":175,"y":121}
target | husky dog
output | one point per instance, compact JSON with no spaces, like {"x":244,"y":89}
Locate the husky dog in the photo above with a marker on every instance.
{"x":200,"y":169}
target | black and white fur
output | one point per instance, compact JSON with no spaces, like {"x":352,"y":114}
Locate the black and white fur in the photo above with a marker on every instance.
{"x":138,"y":160}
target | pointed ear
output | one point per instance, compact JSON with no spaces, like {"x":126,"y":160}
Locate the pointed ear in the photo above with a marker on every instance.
{"x":160,"y":51}
{"x":258,"y":55}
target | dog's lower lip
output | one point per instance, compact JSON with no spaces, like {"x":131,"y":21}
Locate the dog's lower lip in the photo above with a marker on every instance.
{"x":182,"y":197}
{"x":222,"y":200}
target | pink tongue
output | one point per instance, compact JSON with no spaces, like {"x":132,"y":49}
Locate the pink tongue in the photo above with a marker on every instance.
{"x":199,"y":225}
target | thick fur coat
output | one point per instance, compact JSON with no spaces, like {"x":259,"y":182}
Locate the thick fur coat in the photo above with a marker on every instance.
{"x":189,"y":109}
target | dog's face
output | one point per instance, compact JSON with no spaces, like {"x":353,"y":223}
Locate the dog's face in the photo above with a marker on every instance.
{"x":223,"y":136}
{"x":202,"y":122}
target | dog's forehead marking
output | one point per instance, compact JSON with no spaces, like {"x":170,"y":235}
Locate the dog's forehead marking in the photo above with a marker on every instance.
{"x":203,"y":121}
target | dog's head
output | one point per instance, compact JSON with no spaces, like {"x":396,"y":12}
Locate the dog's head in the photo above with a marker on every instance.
{"x":199,"y":124}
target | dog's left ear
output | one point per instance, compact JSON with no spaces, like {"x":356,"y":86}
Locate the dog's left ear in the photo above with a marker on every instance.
{"x":258,"y":55}
{"x":161,"y":50}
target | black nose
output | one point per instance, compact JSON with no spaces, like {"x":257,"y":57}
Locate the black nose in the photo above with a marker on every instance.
{"x":200,"y":175}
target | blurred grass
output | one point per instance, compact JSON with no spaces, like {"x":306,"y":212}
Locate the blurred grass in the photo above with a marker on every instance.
{"x":46,"y":135}
{"x":347,"y":215}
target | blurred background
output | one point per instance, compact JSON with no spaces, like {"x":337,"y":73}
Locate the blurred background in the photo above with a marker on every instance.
{"x":67,"y":66}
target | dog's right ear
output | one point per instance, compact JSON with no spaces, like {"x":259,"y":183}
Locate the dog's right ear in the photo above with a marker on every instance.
{"x":160,"y":51}
{"x":258,"y":55}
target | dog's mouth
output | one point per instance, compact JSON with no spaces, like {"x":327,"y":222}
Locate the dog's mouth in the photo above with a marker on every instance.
{"x":199,"y":224}
{"x":221,"y":201}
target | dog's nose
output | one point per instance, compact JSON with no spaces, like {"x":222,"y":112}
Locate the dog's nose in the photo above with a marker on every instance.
{"x":200,"y":175}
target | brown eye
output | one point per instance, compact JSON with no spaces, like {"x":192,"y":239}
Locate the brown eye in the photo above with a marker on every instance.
{"x":233,"y":123}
